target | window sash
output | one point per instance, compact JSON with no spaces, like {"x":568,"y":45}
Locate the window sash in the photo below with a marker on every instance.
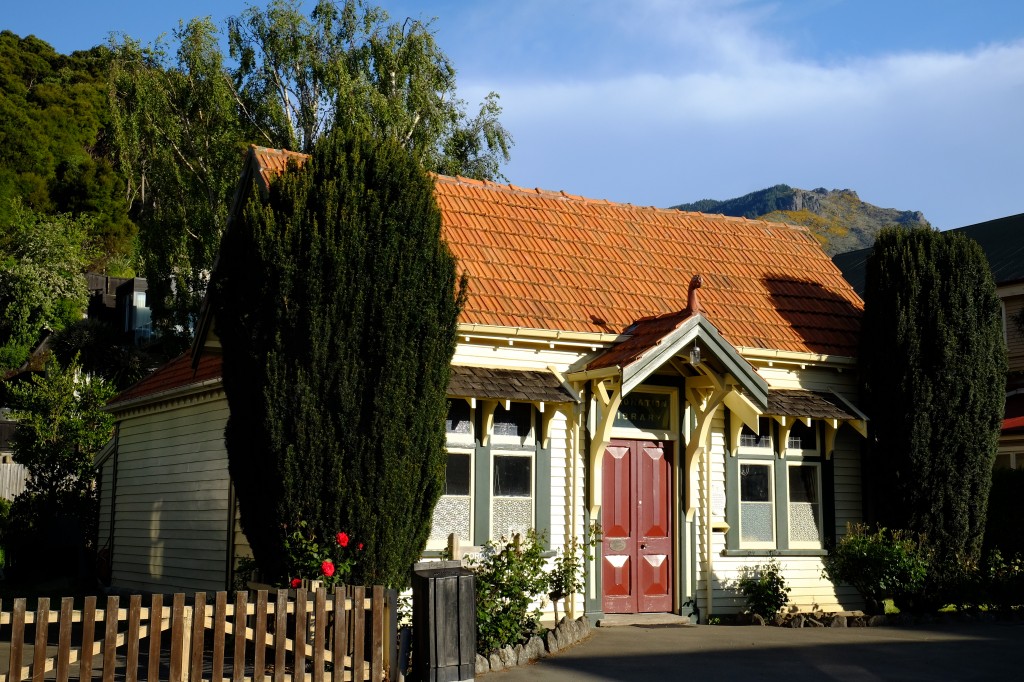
{"x":805,"y":505}
{"x":757,"y":505}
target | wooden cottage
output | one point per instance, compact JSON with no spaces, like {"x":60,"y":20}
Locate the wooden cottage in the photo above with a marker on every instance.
{"x":684,"y":380}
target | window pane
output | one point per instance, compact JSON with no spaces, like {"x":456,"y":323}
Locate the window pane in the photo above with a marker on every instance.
{"x":749,"y":439}
{"x":451,"y":515}
{"x":512,"y":476}
{"x":458,"y":417}
{"x":803,"y":437}
{"x":804,"y":506}
{"x":514,"y":421}
{"x":456,"y":475}
{"x":803,"y":484}
{"x":755,"y":483}
{"x":756,"y":522}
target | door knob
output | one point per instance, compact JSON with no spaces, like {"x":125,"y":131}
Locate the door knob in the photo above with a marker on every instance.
{"x":643,"y":545}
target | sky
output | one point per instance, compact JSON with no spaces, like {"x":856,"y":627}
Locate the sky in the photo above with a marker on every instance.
{"x":914,"y":104}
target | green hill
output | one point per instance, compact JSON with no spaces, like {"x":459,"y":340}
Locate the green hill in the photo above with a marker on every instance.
{"x":837,"y":218}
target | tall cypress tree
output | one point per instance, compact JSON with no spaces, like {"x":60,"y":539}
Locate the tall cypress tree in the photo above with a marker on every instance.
{"x":336,"y":306}
{"x":933,"y":360}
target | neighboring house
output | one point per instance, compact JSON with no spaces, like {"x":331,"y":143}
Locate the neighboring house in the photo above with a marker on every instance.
{"x":706,"y":423}
{"x":1002,"y":240}
{"x":122,"y":302}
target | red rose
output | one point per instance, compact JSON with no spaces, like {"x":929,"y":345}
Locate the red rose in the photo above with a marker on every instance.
{"x":296,"y":582}
{"x":327,"y":568}
{"x":360,"y":547}
{"x":342,"y":539}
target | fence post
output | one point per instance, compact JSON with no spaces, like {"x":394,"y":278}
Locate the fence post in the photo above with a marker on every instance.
{"x":454,"y":550}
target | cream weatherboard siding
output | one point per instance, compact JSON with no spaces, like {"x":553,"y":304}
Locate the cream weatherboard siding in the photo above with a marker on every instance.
{"x":171,"y":497}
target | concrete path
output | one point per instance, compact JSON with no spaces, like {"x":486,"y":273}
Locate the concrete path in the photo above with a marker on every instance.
{"x":962,"y":651}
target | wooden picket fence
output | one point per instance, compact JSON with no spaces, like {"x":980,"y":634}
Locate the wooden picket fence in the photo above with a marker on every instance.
{"x":298,"y":636}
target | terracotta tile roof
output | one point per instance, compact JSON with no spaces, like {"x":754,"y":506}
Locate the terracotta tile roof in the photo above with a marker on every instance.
{"x":270,"y":163}
{"x":551,"y":260}
{"x":644,"y":335}
{"x":507,"y":384}
{"x":177,"y":373}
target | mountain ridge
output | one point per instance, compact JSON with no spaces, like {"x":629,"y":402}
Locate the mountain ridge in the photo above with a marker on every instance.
{"x":837,"y":218}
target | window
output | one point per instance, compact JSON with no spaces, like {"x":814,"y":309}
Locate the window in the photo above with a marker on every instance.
{"x":761,"y":440}
{"x":803,"y":437}
{"x":757,"y":517}
{"x":454,"y":510}
{"x":804,"y":505}
{"x":491,"y":486}
{"x":778,"y":495}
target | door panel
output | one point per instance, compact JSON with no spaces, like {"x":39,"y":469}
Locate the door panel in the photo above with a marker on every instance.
{"x":636,"y":520}
{"x":618,"y":518}
{"x":654,"y":580}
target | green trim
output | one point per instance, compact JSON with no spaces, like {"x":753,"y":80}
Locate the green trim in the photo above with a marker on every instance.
{"x":773,"y":552}
{"x":593,"y":607}
{"x":781,"y":474}
{"x":828,"y":493}
{"x":542,"y":484}
{"x":481,"y":484}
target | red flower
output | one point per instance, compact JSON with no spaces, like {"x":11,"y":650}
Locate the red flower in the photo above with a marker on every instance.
{"x":342,"y":539}
{"x":360,"y":547}
{"x":327,"y":568}
{"x":296,"y":582}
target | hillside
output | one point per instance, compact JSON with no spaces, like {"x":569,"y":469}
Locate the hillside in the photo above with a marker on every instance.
{"x":837,"y":218}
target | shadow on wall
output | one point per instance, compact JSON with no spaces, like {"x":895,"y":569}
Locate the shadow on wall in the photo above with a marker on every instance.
{"x":828,"y":323}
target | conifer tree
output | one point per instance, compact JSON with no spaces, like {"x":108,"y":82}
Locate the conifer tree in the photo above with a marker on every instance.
{"x":934,"y":367}
{"x":336,"y":305}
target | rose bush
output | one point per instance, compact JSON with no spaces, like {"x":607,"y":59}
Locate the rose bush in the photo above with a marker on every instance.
{"x":310,"y":558}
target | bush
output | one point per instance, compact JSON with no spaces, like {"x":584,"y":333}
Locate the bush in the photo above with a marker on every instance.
{"x":509,"y":578}
{"x":879,"y":564}
{"x":765,"y":589}
{"x":566,"y":578}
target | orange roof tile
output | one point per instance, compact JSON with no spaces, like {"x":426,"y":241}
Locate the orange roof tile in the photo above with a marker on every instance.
{"x":554,"y":261}
{"x":175,"y":374}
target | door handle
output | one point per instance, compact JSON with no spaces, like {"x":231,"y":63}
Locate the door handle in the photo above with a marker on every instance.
{"x":643,"y":545}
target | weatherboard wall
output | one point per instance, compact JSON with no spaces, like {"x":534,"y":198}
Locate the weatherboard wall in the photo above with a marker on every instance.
{"x":171,"y":497}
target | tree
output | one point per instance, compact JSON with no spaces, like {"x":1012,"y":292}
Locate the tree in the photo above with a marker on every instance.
{"x":336,"y":304}
{"x":179,"y":140}
{"x":61,"y":426}
{"x":42,"y":259}
{"x":933,"y":362}
{"x":180,"y":123}
{"x":349,"y":65}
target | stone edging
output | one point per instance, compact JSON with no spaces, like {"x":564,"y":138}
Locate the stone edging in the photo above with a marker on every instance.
{"x":564,"y":635}
{"x":856,"y":619}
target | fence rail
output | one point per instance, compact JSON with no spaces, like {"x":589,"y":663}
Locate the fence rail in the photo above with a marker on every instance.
{"x":290,"y":636}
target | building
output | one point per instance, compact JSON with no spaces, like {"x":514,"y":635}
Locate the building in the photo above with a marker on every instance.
{"x":684,"y":380}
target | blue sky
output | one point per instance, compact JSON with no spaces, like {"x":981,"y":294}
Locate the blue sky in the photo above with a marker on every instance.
{"x":916,"y":105}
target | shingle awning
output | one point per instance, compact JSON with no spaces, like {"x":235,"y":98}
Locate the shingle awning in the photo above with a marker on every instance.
{"x":508,"y":384}
{"x":813,"y":404}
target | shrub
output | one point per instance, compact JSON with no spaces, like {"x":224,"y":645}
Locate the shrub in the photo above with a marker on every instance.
{"x":509,"y":578}
{"x":879,"y":564}
{"x":566,"y":578}
{"x":765,"y":588}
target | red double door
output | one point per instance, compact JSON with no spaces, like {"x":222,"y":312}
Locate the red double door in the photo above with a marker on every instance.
{"x":636,"y":520}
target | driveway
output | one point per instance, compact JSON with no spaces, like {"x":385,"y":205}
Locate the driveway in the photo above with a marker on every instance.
{"x":962,"y":651}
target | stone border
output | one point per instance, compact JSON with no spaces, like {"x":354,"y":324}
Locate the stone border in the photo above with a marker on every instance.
{"x":857,"y":619}
{"x":566,"y":634}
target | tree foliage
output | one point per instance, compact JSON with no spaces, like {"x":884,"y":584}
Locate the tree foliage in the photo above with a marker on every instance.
{"x":54,"y":125}
{"x":179,"y":141}
{"x":42,"y":259}
{"x":336,"y":305}
{"x":181,"y":117}
{"x":934,"y":368}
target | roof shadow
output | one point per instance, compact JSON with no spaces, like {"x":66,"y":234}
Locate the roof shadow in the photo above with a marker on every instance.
{"x":828,"y":322}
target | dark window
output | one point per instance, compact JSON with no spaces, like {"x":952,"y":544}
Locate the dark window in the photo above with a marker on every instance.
{"x":456,"y":475}
{"x":755,"y":483}
{"x":803,"y":437}
{"x":803,"y":484}
{"x":458,"y":417}
{"x":514,"y":421}
{"x":512,"y":476}
{"x":749,"y":439}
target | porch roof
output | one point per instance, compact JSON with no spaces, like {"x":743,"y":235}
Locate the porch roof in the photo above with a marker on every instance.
{"x":813,"y":404}
{"x":507,"y":384}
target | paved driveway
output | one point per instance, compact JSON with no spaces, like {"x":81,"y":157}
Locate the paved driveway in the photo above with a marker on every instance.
{"x":962,"y":651}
